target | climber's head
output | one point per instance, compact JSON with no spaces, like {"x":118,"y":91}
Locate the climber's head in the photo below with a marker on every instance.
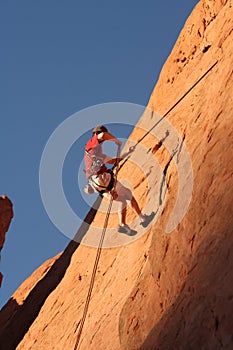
{"x":99,"y":129}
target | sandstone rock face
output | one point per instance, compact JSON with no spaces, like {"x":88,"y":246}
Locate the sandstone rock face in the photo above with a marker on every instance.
{"x":6,"y":214}
{"x":155,"y":290}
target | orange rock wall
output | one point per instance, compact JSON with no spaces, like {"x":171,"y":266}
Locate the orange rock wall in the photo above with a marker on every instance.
{"x":161,"y":291}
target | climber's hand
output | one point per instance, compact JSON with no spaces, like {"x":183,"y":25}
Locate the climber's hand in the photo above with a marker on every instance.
{"x":131,"y":149}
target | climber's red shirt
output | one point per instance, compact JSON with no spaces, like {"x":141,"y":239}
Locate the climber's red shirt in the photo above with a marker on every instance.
{"x":94,"y":148}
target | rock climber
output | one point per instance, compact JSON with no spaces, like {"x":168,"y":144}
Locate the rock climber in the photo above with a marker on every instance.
{"x":102,"y":180}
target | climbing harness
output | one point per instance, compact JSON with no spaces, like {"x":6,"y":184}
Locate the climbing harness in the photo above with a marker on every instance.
{"x":100,"y":187}
{"x":118,"y":168}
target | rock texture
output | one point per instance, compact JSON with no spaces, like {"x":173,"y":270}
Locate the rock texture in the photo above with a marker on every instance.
{"x":6,"y":214}
{"x":155,"y":290}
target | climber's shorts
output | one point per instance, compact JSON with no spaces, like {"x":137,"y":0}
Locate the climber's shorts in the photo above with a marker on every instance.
{"x":123,"y":193}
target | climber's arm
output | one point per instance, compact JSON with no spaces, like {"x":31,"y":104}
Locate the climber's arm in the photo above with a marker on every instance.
{"x":106,"y":136}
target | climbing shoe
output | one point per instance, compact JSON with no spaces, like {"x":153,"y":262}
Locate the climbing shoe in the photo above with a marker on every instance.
{"x":127,"y":230}
{"x":124,"y":229}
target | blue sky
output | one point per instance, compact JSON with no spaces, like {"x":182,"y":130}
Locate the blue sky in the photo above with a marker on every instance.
{"x":57,"y":58}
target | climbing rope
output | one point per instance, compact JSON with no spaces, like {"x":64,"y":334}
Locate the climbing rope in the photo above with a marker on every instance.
{"x":164,"y":116}
{"x":117,"y":169}
{"x":98,"y":254}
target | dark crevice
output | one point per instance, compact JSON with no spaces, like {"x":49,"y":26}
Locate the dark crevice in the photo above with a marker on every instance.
{"x":180,"y":148}
{"x":160,"y":143}
{"x":164,"y":176}
{"x":206,"y":48}
{"x":216,"y":323}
